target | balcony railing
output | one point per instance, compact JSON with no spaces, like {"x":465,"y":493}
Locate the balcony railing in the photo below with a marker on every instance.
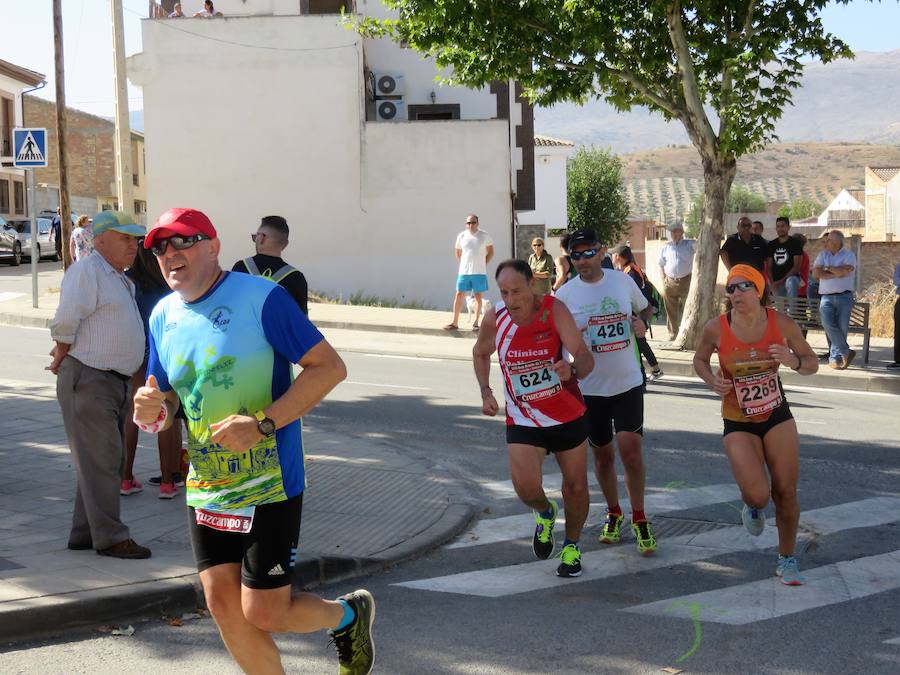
{"x":5,"y":141}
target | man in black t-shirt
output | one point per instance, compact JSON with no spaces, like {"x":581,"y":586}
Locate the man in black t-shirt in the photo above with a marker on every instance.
{"x":744,"y":247}
{"x":271,"y":239}
{"x":784,"y":255}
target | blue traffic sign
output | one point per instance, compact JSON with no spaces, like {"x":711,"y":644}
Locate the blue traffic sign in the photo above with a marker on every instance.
{"x":29,"y":148}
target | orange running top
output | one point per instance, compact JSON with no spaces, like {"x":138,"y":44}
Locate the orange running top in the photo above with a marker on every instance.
{"x":757,"y":390}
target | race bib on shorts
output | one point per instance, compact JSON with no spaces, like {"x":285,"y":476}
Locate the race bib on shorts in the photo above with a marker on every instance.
{"x":239,"y":521}
{"x":533,"y":381}
{"x":759,"y":393}
{"x":609,"y":332}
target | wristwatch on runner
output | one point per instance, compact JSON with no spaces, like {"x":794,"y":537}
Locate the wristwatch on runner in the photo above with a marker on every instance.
{"x":574,"y":372}
{"x":266,"y":425}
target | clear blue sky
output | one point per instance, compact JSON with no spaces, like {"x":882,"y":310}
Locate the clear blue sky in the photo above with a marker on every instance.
{"x":28,"y":41}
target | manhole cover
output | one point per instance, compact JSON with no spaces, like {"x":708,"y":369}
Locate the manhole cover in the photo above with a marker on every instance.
{"x":674,"y":527}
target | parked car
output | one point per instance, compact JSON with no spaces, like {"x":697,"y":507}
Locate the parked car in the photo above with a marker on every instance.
{"x":46,"y":247}
{"x":10,"y":246}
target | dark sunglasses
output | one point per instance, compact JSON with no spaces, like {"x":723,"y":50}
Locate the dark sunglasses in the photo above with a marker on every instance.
{"x":739,"y":286}
{"x":537,"y":245}
{"x":578,"y":255}
{"x":255,"y":235}
{"x":178,"y":242}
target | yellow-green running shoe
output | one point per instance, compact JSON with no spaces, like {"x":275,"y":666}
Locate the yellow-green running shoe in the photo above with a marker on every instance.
{"x":354,"y":645}
{"x":542,"y":543}
{"x":612,"y":528}
{"x":643,"y":533}
{"x":571,"y":562}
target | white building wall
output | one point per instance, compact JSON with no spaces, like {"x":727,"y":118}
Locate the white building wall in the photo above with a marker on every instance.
{"x":551,"y":204}
{"x":241,"y":133}
{"x":843,"y":202}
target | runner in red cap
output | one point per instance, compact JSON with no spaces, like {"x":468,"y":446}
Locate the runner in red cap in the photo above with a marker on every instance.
{"x":753,"y":341}
{"x":221,"y":347}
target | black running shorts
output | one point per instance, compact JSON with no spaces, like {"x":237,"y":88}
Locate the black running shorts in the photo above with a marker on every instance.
{"x":611,"y":414}
{"x":267,"y":553}
{"x":558,"y":438}
{"x":781,"y":414}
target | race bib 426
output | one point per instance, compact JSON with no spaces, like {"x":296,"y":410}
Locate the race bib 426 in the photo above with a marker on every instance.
{"x":609,"y":332}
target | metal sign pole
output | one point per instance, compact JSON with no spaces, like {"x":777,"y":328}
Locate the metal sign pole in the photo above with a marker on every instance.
{"x":32,"y":211}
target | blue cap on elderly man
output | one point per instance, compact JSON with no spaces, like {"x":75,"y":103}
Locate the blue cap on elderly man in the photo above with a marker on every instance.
{"x":117,"y":221}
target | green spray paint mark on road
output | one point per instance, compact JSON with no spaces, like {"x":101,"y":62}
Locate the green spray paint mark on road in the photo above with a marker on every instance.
{"x":695,"y":610}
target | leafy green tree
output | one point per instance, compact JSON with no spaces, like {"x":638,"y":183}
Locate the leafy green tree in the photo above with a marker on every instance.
{"x":742,"y":200}
{"x":801,"y":208}
{"x":595,"y":192}
{"x":725,"y":69}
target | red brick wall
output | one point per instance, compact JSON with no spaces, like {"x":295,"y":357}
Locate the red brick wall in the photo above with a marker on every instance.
{"x":91,"y":158}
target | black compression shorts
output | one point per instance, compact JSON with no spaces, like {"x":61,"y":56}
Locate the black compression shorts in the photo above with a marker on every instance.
{"x":611,"y":414}
{"x":781,"y":414}
{"x":553,"y":439}
{"x":267,"y":553}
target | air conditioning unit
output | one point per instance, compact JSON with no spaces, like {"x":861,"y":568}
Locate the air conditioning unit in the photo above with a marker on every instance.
{"x":390,"y":110}
{"x":389,"y":84}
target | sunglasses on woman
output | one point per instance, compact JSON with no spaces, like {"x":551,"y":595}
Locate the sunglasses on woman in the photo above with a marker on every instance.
{"x":739,"y":286}
{"x":178,"y":242}
{"x":578,"y":255}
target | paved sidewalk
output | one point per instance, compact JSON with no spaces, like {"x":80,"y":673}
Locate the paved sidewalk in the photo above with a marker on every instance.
{"x":45,"y":588}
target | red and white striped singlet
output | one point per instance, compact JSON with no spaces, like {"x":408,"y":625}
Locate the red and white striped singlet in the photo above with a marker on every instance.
{"x":535,"y":396}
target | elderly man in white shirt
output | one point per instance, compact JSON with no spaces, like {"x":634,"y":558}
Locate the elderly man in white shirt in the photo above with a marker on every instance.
{"x":675,"y":263}
{"x":99,"y":338}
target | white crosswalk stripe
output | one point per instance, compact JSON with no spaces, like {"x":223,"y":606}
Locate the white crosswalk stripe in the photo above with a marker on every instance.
{"x":623,"y":559}
{"x":656,"y":501}
{"x":770,"y":599}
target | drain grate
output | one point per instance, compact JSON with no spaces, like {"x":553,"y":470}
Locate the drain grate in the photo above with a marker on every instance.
{"x":675,"y":527}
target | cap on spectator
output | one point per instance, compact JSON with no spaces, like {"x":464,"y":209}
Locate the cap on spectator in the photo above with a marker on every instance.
{"x":675,"y":226}
{"x":118,"y":221}
{"x":622,"y":250}
{"x":583,"y":238}
{"x":186,"y":222}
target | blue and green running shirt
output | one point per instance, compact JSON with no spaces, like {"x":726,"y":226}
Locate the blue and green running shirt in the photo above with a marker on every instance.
{"x":230,"y":353}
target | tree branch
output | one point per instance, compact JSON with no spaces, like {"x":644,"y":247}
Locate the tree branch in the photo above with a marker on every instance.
{"x":696,"y":116}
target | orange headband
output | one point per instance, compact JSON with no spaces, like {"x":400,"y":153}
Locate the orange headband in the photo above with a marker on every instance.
{"x":749,"y":273}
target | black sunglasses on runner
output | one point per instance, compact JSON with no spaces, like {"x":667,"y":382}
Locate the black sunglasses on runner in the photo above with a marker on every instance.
{"x":578,"y":255}
{"x":178,"y":242}
{"x":740,"y":285}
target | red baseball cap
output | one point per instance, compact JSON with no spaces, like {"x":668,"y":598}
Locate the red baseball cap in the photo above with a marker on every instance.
{"x":186,"y":222}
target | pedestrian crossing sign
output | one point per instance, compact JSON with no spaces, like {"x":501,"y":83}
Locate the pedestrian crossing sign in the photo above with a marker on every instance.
{"x":29,"y":148}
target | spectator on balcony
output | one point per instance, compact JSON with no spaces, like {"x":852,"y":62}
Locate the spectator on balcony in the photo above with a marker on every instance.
{"x":208,"y":11}
{"x":177,"y":12}
{"x":81,"y":244}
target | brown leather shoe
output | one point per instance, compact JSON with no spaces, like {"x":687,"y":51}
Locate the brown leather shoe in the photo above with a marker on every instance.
{"x":127,"y":550}
{"x":847,"y":360}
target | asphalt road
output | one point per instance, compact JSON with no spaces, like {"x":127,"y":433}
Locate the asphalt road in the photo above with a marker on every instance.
{"x":484,"y":605}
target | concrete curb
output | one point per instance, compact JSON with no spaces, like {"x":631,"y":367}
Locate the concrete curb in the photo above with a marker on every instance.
{"x":389,"y":328}
{"x":24,"y":320}
{"x":92,"y":608}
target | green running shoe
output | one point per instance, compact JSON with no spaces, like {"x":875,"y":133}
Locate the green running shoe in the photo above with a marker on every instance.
{"x":643,"y":533}
{"x":354,"y":645}
{"x":542,"y":543}
{"x":571,"y":561}
{"x":612,"y":528}
{"x":789,"y":571}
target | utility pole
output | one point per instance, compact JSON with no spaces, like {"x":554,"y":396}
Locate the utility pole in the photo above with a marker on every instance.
{"x":65,"y":222}
{"x":124,"y":183}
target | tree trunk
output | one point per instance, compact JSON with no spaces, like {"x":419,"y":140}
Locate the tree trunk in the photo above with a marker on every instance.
{"x":701,"y":304}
